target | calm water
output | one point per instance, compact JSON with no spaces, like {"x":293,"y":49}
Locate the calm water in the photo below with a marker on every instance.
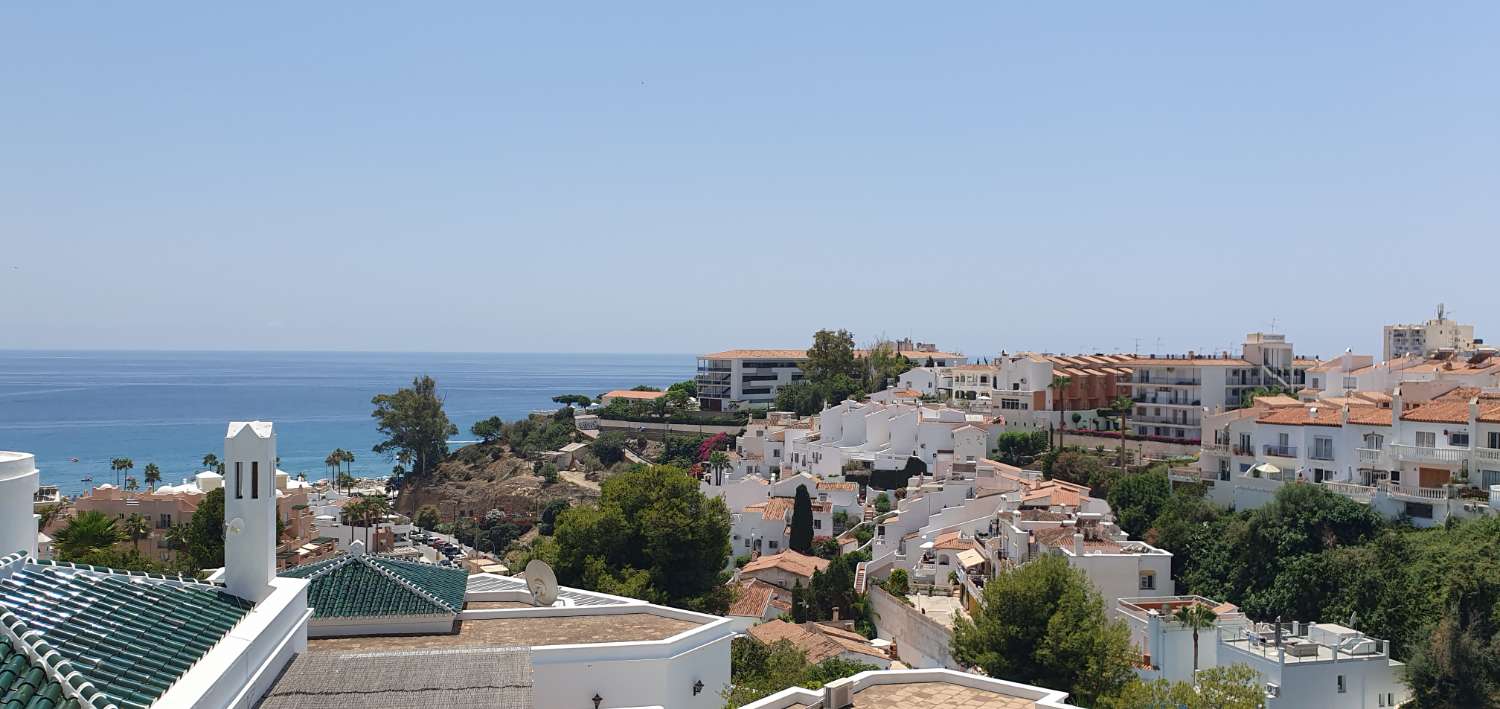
{"x":170,"y":408}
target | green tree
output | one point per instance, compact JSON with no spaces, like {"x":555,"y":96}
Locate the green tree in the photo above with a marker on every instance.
{"x":609,"y":447}
{"x":136,"y":528}
{"x":131,"y":484}
{"x":1121,"y":407}
{"x":1059,"y":383}
{"x":1224,"y":687}
{"x":898,"y":584}
{"x":882,"y":504}
{"x":884,"y":364}
{"x":86,"y":532}
{"x":1043,"y":623}
{"x":333,"y":460}
{"x":345,"y":481}
{"x":718,"y":462}
{"x":488,"y":430}
{"x":578,"y":400}
{"x":1137,"y":499}
{"x":176,"y":537}
{"x":205,"y":532}
{"x":120,"y":465}
{"x":652,"y":535}
{"x":428,"y":517}
{"x":687,"y":387}
{"x":804,"y":398}
{"x":832,"y":355}
{"x":548,"y":521}
{"x":412,"y":421}
{"x":210,"y":461}
{"x":802,"y":522}
{"x":152,"y":475}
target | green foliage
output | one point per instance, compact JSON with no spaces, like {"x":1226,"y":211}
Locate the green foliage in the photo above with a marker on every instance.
{"x":427,"y":517}
{"x":86,"y":533}
{"x":741,"y":560}
{"x":1138,"y":499}
{"x":832,"y":355}
{"x":882,"y":503}
{"x":653,"y":536}
{"x":548,"y":521}
{"x":884,"y":364}
{"x":804,"y":398}
{"x":152,"y":475}
{"x":832,"y":588}
{"x":609,"y":447}
{"x":1077,"y":466}
{"x":1225,"y":687}
{"x":488,"y":430}
{"x":536,"y":434}
{"x":1043,"y":623}
{"x":414,"y":425}
{"x":130,"y":560}
{"x":1020,"y":447}
{"x":572,"y":399}
{"x":205,"y":532}
{"x":758,"y":670}
{"x":898,"y":584}
{"x":686,"y":388}
{"x":802,"y":522}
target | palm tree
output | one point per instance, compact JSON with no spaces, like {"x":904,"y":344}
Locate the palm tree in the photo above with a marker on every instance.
{"x":344,"y":480}
{"x":718,"y":461}
{"x":137,"y":528}
{"x":176,"y":537}
{"x":1060,"y":382}
{"x":353,"y":510}
{"x":153,"y":475}
{"x":348,"y":458}
{"x":1122,"y":406}
{"x":118,"y":465}
{"x":87,"y":532}
{"x":375,"y":509}
{"x":131,"y":484}
{"x":331,"y":463}
{"x":1197,"y":618}
{"x":46,"y":514}
{"x":210,"y":461}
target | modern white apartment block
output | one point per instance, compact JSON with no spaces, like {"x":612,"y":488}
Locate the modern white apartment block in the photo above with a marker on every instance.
{"x":1173,"y":392}
{"x":1020,"y":386}
{"x":876,"y":436}
{"x":735,"y":379}
{"x":1428,"y":338}
{"x":1165,"y":644}
{"x":1315,"y":665}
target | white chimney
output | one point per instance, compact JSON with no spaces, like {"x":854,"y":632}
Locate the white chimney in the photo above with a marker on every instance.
{"x":1078,"y":544}
{"x":18,"y":486}
{"x":249,"y":509}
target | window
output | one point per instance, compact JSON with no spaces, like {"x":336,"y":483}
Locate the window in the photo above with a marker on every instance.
{"x":1459,"y":439}
{"x":817,"y":524}
{"x":1342,"y":685}
{"x":773,"y":544}
{"x":1323,"y":448}
{"x":255,"y":480}
{"x":1374,"y":441}
{"x":1148,"y":581}
{"x":1244,"y":444}
{"x":1351,"y":383}
{"x":239,"y":493}
{"x":1494,"y":440}
{"x":1426,"y":439}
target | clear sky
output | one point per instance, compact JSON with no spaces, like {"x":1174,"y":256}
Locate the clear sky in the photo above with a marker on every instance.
{"x":698,"y":176}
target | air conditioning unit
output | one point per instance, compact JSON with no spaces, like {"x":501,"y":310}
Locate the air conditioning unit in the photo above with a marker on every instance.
{"x":838,"y":694}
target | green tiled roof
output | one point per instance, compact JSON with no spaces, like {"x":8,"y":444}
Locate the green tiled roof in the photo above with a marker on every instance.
{"x":129,"y":637}
{"x":349,"y":586}
{"x":25,"y":684}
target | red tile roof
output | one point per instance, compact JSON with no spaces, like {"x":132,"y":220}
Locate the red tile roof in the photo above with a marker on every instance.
{"x":788,"y":561}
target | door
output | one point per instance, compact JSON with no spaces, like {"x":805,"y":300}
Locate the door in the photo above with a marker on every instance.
{"x":1433,"y":477}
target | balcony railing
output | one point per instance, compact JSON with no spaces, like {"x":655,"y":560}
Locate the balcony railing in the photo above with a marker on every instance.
{"x":1358,"y":492}
{"x":1244,"y":450}
{"x":1280,"y":451}
{"x":1219,"y":448}
{"x":1488,"y":455}
{"x":1373,"y":455}
{"x":1426,"y":454}
{"x":1320,"y":455}
{"x":1495,"y":496}
{"x":1418,"y":493}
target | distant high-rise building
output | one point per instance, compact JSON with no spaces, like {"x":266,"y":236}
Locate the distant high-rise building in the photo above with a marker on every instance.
{"x":1428,"y":338}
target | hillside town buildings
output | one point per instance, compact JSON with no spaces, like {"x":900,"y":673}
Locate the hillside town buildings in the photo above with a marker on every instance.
{"x":1440,"y":334}
{"x":735,"y":379}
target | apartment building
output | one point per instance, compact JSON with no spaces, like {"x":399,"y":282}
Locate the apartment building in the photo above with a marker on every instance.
{"x":1165,"y":644}
{"x":1315,"y":665}
{"x":735,"y":379}
{"x":1427,"y":461}
{"x":1019,"y":386}
{"x":876,"y":436}
{"x":1429,"y":338}
{"x":1172,"y":392}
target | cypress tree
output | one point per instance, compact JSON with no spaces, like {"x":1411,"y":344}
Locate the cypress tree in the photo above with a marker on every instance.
{"x":802,"y":522}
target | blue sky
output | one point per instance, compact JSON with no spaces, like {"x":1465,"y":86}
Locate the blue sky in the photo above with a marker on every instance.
{"x":691,"y":177}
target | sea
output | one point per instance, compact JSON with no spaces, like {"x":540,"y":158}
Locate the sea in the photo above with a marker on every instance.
{"x":76,"y":411}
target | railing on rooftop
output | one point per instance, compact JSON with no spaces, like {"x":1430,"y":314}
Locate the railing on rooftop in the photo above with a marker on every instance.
{"x":1358,"y":492}
{"x":1427,"y":454}
{"x":1280,"y":451}
{"x":1418,"y":493}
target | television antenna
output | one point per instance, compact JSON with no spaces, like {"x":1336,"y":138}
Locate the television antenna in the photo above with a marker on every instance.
{"x":541,"y":582}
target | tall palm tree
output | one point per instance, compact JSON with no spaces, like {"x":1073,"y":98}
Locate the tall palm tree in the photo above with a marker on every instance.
{"x":331,"y":463}
{"x":1059,"y":383}
{"x":152,"y":475}
{"x":375,"y":509}
{"x":137,"y":528}
{"x":120,"y":465}
{"x":87,"y":532}
{"x":1197,"y":618}
{"x":344,"y":480}
{"x":718,"y":461}
{"x":352,"y":511}
{"x":348,"y":459}
{"x":176,"y":537}
{"x":1122,"y":406}
{"x":131,"y":484}
{"x":210,"y":461}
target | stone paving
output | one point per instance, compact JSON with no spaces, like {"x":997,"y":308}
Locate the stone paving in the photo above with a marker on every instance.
{"x":510,"y":632}
{"x":920,"y":695}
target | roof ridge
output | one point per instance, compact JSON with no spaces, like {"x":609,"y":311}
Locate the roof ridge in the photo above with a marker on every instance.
{"x":111,"y":571}
{"x":408,"y":584}
{"x":57,"y":668}
{"x":329,"y":566}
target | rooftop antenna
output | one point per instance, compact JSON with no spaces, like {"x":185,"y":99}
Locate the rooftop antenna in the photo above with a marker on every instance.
{"x":541,"y":582}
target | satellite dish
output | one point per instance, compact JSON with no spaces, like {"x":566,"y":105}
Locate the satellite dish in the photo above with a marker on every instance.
{"x":235,"y":526}
{"x":541,"y":582}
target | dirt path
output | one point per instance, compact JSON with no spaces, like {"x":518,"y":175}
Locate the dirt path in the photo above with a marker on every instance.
{"x":578,"y":478}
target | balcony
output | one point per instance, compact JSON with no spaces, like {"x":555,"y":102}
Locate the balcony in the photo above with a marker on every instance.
{"x":1487,"y":455}
{"x":1166,"y":400}
{"x":1279,"y":451}
{"x":1425,"y":454}
{"x":1167,"y":381}
{"x":1420,"y":494}
{"x":1360,"y":493}
{"x":1374,"y":458}
{"x":1244,"y":450}
{"x":1216,"y":448}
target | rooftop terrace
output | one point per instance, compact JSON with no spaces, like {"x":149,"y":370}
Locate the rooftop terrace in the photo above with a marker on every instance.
{"x":521,"y":630}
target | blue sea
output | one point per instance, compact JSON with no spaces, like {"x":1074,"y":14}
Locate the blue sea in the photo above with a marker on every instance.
{"x":170,"y":408}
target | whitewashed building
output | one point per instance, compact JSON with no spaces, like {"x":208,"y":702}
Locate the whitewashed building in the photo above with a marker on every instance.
{"x":1315,"y":665}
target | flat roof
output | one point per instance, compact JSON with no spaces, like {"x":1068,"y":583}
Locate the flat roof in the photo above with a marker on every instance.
{"x":933,"y":694}
{"x":530,"y":631}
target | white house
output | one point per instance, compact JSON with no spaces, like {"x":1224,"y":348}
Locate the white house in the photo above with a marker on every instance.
{"x":1166,"y":644}
{"x":1315,"y":665}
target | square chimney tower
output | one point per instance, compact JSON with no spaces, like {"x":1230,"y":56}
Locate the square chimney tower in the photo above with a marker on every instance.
{"x":249,"y":509}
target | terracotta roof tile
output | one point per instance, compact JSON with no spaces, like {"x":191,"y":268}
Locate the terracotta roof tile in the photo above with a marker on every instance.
{"x":788,"y":561}
{"x":633,"y":394}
